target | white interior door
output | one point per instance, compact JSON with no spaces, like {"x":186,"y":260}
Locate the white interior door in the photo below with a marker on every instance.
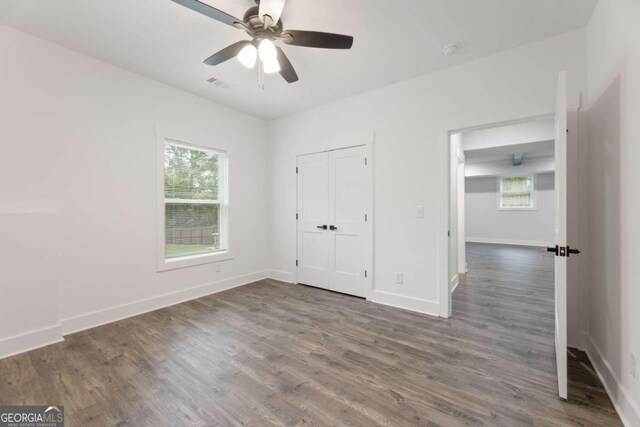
{"x":348,"y":195}
{"x":313,"y":219}
{"x":334,"y":240}
{"x":561,"y":234}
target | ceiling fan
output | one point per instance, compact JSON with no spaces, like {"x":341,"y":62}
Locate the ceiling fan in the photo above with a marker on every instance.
{"x":263,"y":24}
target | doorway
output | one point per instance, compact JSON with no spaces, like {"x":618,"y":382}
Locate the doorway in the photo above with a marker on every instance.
{"x":334,"y":220}
{"x":513,"y":210}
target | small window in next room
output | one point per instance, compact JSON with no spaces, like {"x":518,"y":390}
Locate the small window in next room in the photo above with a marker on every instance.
{"x":517,"y":192}
{"x":194,"y":204}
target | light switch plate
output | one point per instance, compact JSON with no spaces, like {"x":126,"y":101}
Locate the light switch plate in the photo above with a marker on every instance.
{"x":420,"y":212}
{"x":399,"y":278}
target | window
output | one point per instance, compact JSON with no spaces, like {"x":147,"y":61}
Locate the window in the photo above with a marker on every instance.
{"x":517,"y":192}
{"x":194,"y":205}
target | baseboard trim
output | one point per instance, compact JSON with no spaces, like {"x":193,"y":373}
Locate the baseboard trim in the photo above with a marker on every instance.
{"x":619,"y":395}
{"x":534,"y":243}
{"x":578,"y":341}
{"x":113,"y":314}
{"x":453,"y":284}
{"x":432,"y":308}
{"x":30,"y":340}
{"x":282,"y":276}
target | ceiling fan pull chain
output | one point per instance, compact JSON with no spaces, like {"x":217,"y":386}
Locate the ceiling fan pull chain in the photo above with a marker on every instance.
{"x":260,"y":75}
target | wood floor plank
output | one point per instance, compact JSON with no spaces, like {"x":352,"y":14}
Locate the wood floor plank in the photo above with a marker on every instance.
{"x":278,"y":354}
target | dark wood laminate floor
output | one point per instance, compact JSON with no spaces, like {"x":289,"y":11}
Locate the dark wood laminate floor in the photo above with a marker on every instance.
{"x":277,"y":354}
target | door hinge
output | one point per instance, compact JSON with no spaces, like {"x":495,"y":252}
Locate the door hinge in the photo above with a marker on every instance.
{"x":365,"y":217}
{"x":296,"y":216}
{"x":365,"y":161}
{"x":365,"y":274}
{"x":296,"y":169}
{"x":296,"y":263}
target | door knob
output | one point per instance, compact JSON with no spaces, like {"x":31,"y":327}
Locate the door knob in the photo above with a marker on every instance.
{"x":563,"y":251}
{"x":322,"y":227}
{"x":572,"y":251}
{"x":333,"y":227}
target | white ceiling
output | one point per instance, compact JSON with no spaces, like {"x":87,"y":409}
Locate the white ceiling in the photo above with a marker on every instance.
{"x":503,"y":154}
{"x":394,"y":41}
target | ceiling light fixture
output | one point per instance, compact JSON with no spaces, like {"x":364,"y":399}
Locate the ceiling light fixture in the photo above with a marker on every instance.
{"x":267,"y":51}
{"x":263,"y":24}
{"x":271,"y":66}
{"x":248,"y":56}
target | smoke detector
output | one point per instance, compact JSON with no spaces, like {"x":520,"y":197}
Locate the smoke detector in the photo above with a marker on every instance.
{"x":450,"y":49}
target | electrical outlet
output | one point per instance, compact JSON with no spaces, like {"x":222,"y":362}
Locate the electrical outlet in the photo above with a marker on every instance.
{"x":218,"y":268}
{"x":633,"y":366}
{"x":399,"y":278}
{"x":420,"y":212}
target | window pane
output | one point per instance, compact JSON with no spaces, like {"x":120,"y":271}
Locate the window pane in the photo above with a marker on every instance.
{"x":517,"y":192}
{"x":191,"y":229}
{"x":190,"y":174}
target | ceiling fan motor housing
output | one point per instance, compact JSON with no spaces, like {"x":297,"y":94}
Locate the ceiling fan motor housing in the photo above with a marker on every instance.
{"x":255,"y":26}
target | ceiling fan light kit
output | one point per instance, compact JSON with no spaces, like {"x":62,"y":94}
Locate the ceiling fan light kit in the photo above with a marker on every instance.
{"x":263,"y":24}
{"x":267,"y":50}
{"x":248,"y":55}
{"x":271,"y":67}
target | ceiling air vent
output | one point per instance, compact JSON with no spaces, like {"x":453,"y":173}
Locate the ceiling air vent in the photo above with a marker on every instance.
{"x":219,"y":83}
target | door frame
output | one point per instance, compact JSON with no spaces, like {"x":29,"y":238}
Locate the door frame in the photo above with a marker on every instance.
{"x":444,"y":294}
{"x":335,"y":144}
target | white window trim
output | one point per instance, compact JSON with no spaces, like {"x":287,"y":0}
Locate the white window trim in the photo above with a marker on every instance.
{"x":534,"y":193}
{"x":165,"y":264}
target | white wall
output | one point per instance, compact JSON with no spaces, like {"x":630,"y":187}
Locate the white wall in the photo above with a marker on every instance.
{"x":411,"y":121}
{"x":28,"y":281}
{"x":511,"y":134}
{"x":540,"y":165}
{"x":79,"y":144}
{"x":485,"y":223}
{"x":614,"y":199}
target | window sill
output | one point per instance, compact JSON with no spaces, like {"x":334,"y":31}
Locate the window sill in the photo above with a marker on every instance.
{"x":518,"y":209}
{"x":193,"y":260}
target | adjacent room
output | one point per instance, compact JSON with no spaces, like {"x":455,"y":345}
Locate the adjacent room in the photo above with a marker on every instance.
{"x":283,"y":212}
{"x":504,"y":197}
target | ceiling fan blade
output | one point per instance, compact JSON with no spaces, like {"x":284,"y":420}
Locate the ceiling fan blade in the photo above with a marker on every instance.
{"x":317,"y":39}
{"x":211,"y":12}
{"x":286,"y":69}
{"x":271,"y":8}
{"x":227,"y":53}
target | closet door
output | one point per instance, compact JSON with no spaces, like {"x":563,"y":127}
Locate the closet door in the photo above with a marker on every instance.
{"x":348,"y":194}
{"x":313,"y":219}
